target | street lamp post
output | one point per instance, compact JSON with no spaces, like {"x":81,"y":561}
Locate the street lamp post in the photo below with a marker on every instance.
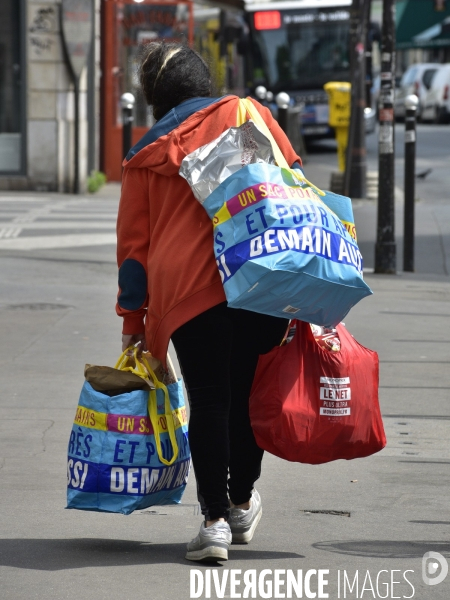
{"x":385,"y":248}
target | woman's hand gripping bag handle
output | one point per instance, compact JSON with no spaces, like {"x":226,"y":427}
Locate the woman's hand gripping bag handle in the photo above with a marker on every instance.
{"x":311,"y":405}
{"x":124,"y":454}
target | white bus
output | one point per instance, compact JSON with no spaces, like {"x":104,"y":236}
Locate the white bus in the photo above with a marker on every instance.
{"x":296,"y":46}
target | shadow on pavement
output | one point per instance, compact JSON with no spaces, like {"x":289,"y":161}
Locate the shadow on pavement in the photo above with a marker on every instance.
{"x":385,"y":548}
{"x":78,"y":553}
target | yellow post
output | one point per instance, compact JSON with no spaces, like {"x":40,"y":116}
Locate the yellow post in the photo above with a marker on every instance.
{"x":339,"y":100}
{"x":342,"y":139}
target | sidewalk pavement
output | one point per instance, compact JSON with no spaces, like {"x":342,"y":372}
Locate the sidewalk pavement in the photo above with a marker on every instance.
{"x":378,"y":515}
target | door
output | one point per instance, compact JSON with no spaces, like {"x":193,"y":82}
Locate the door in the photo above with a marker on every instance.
{"x":126,"y":27}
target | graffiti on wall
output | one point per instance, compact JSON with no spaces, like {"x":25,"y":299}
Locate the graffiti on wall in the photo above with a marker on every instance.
{"x":42,"y":24}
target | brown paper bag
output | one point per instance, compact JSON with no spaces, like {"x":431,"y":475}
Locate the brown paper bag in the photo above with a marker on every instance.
{"x":114,"y":382}
{"x":166,"y":377}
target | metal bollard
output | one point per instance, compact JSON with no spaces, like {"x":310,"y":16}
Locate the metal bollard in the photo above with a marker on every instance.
{"x":261,"y":93}
{"x":127,"y":102}
{"x":411,"y":104}
{"x":282,"y":99}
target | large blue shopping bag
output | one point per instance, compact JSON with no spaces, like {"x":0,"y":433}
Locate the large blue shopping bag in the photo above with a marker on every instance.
{"x":283,"y":247}
{"x":130,"y":451}
{"x":281,"y":250}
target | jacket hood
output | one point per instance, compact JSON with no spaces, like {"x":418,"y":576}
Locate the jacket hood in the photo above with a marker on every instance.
{"x":164,"y":155}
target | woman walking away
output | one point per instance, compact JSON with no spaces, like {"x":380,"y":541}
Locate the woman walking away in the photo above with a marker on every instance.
{"x":170,"y":288}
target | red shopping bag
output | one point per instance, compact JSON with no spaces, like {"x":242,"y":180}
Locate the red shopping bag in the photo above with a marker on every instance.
{"x":312,"y":405}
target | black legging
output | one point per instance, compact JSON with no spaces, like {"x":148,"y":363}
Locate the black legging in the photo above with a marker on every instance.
{"x":218,"y":353}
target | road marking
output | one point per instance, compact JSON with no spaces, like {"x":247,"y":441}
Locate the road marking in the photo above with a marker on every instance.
{"x":64,"y":217}
{"x":10,"y":232}
{"x":47,"y":242}
{"x":58,"y":225}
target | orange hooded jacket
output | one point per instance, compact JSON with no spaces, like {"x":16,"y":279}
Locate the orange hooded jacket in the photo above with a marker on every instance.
{"x":167,"y":270}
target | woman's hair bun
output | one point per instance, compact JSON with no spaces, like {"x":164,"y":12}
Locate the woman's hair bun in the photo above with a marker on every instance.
{"x":171,"y":73}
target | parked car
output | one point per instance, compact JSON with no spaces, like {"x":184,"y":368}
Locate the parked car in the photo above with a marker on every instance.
{"x":436,"y":106}
{"x":415,"y":80}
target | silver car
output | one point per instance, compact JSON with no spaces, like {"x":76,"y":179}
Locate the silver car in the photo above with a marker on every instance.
{"x":436,"y":106}
{"x":416,"y":80}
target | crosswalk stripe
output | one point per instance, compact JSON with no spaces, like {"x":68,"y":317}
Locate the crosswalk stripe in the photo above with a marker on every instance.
{"x":58,"y":225}
{"x":47,"y":242}
{"x":75,"y":222}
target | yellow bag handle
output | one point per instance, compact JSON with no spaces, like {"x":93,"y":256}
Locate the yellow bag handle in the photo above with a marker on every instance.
{"x":247,"y":106}
{"x":143,"y":370}
{"x":122,"y":363}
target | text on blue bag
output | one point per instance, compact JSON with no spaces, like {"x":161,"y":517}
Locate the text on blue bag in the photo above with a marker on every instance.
{"x":139,"y":481}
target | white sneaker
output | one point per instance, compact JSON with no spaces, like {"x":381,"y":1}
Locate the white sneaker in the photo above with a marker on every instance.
{"x":244,"y":522}
{"x":211,"y":544}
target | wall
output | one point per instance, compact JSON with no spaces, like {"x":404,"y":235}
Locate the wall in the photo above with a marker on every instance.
{"x":50,"y":101}
{"x":50,"y":106}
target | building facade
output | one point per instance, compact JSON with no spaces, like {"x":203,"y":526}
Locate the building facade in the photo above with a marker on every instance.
{"x":37,"y":100}
{"x":37,"y":95}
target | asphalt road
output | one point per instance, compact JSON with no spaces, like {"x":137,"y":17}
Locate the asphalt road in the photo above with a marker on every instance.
{"x":377,"y":517}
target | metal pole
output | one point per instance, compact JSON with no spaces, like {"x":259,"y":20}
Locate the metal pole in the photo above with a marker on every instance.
{"x":385,"y":248}
{"x":76,"y":136}
{"x":368,"y":65}
{"x":411,"y":104}
{"x":282,"y":99}
{"x":92,"y":151}
{"x":356,"y":169}
{"x":127,"y":102}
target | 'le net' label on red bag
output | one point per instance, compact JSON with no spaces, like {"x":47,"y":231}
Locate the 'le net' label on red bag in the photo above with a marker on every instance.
{"x":335,"y":395}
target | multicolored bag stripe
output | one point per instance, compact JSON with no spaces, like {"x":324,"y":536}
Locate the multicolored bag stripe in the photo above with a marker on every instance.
{"x":255,"y":193}
{"x":137,"y":424}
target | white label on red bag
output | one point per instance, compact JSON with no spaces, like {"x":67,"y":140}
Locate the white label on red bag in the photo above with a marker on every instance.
{"x":335,"y":412}
{"x":335,"y":393}
{"x":335,"y":380}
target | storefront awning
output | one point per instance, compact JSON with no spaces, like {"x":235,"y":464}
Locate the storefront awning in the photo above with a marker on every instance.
{"x":422,"y":24}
